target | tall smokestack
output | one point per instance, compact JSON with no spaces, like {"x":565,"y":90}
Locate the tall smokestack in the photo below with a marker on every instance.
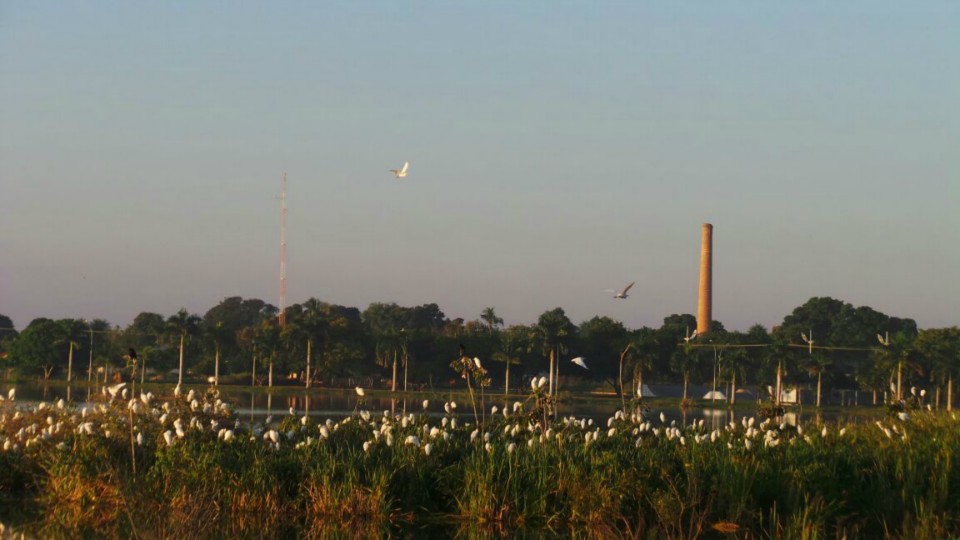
{"x":705,"y":299}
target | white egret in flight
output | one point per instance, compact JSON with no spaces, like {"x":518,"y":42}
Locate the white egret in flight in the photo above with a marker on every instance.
{"x":401,"y":173}
{"x":579,"y":361}
{"x":113,"y":390}
{"x":621,"y":294}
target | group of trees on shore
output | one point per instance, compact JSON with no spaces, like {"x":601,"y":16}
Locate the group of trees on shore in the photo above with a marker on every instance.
{"x":241,"y":340}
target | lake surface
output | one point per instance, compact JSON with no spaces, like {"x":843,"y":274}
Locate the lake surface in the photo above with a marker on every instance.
{"x":258,"y":404}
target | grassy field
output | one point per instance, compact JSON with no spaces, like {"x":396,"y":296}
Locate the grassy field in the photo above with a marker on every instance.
{"x":185,"y":466}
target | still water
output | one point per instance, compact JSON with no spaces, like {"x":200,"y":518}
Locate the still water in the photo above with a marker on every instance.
{"x":261,"y":404}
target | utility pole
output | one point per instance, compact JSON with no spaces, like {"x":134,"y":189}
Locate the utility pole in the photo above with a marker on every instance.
{"x":90,"y":366}
{"x":809,"y":341}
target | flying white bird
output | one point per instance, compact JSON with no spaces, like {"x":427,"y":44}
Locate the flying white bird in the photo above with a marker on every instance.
{"x":690,"y":336}
{"x":115,"y":388}
{"x":622,"y":293}
{"x":360,"y":391}
{"x":579,"y":361}
{"x":401,"y":173}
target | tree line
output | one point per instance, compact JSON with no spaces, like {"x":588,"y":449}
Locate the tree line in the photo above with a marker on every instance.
{"x":823,"y":342}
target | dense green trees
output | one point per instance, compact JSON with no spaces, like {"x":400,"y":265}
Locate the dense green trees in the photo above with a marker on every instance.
{"x":7,"y":334}
{"x":407,"y":345}
{"x":39,"y":348}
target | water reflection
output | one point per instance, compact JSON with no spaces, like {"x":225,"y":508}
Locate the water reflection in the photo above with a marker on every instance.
{"x":256,"y":405}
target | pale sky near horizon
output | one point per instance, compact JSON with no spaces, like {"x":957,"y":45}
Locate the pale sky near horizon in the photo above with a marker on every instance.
{"x":556,"y":149}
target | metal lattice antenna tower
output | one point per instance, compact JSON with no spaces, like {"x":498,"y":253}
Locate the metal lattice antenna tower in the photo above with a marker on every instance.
{"x":283,"y":250}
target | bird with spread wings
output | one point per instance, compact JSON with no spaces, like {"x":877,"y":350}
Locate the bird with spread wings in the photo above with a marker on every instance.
{"x":621,"y":294}
{"x":402,"y":172}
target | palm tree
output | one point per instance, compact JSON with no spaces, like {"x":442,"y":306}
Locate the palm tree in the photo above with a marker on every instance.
{"x":736,"y":358}
{"x":514,"y":342}
{"x":308,"y":327}
{"x":683,"y":361}
{"x":315,"y":324}
{"x":816,"y":365}
{"x":777,"y":353}
{"x":390,"y":343}
{"x":642,"y":356}
{"x":552,"y":335}
{"x":489,"y":316}
{"x":69,"y":330}
{"x":216,"y":335}
{"x":894,"y":354}
{"x":184,"y":325}
{"x":72,"y":330}
{"x":267,"y":338}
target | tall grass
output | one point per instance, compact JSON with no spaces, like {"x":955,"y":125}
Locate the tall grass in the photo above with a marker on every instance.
{"x":67,"y":474}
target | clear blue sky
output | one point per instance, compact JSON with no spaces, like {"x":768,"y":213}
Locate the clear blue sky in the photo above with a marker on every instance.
{"x":556,"y":149}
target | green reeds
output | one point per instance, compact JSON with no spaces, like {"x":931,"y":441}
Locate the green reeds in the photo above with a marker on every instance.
{"x":374,"y":475}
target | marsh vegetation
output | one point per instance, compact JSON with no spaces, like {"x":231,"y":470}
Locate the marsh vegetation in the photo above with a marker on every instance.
{"x":163,"y":466}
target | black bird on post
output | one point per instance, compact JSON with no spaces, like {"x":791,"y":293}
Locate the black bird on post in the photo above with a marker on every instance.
{"x":131,"y":357}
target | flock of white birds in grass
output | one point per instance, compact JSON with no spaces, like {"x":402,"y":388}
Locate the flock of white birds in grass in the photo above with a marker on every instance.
{"x":201,"y":416}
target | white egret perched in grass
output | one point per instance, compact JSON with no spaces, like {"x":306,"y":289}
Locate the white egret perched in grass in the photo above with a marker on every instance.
{"x":579,"y":361}
{"x":477,"y":362}
{"x":401,"y":172}
{"x":621,"y":294}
